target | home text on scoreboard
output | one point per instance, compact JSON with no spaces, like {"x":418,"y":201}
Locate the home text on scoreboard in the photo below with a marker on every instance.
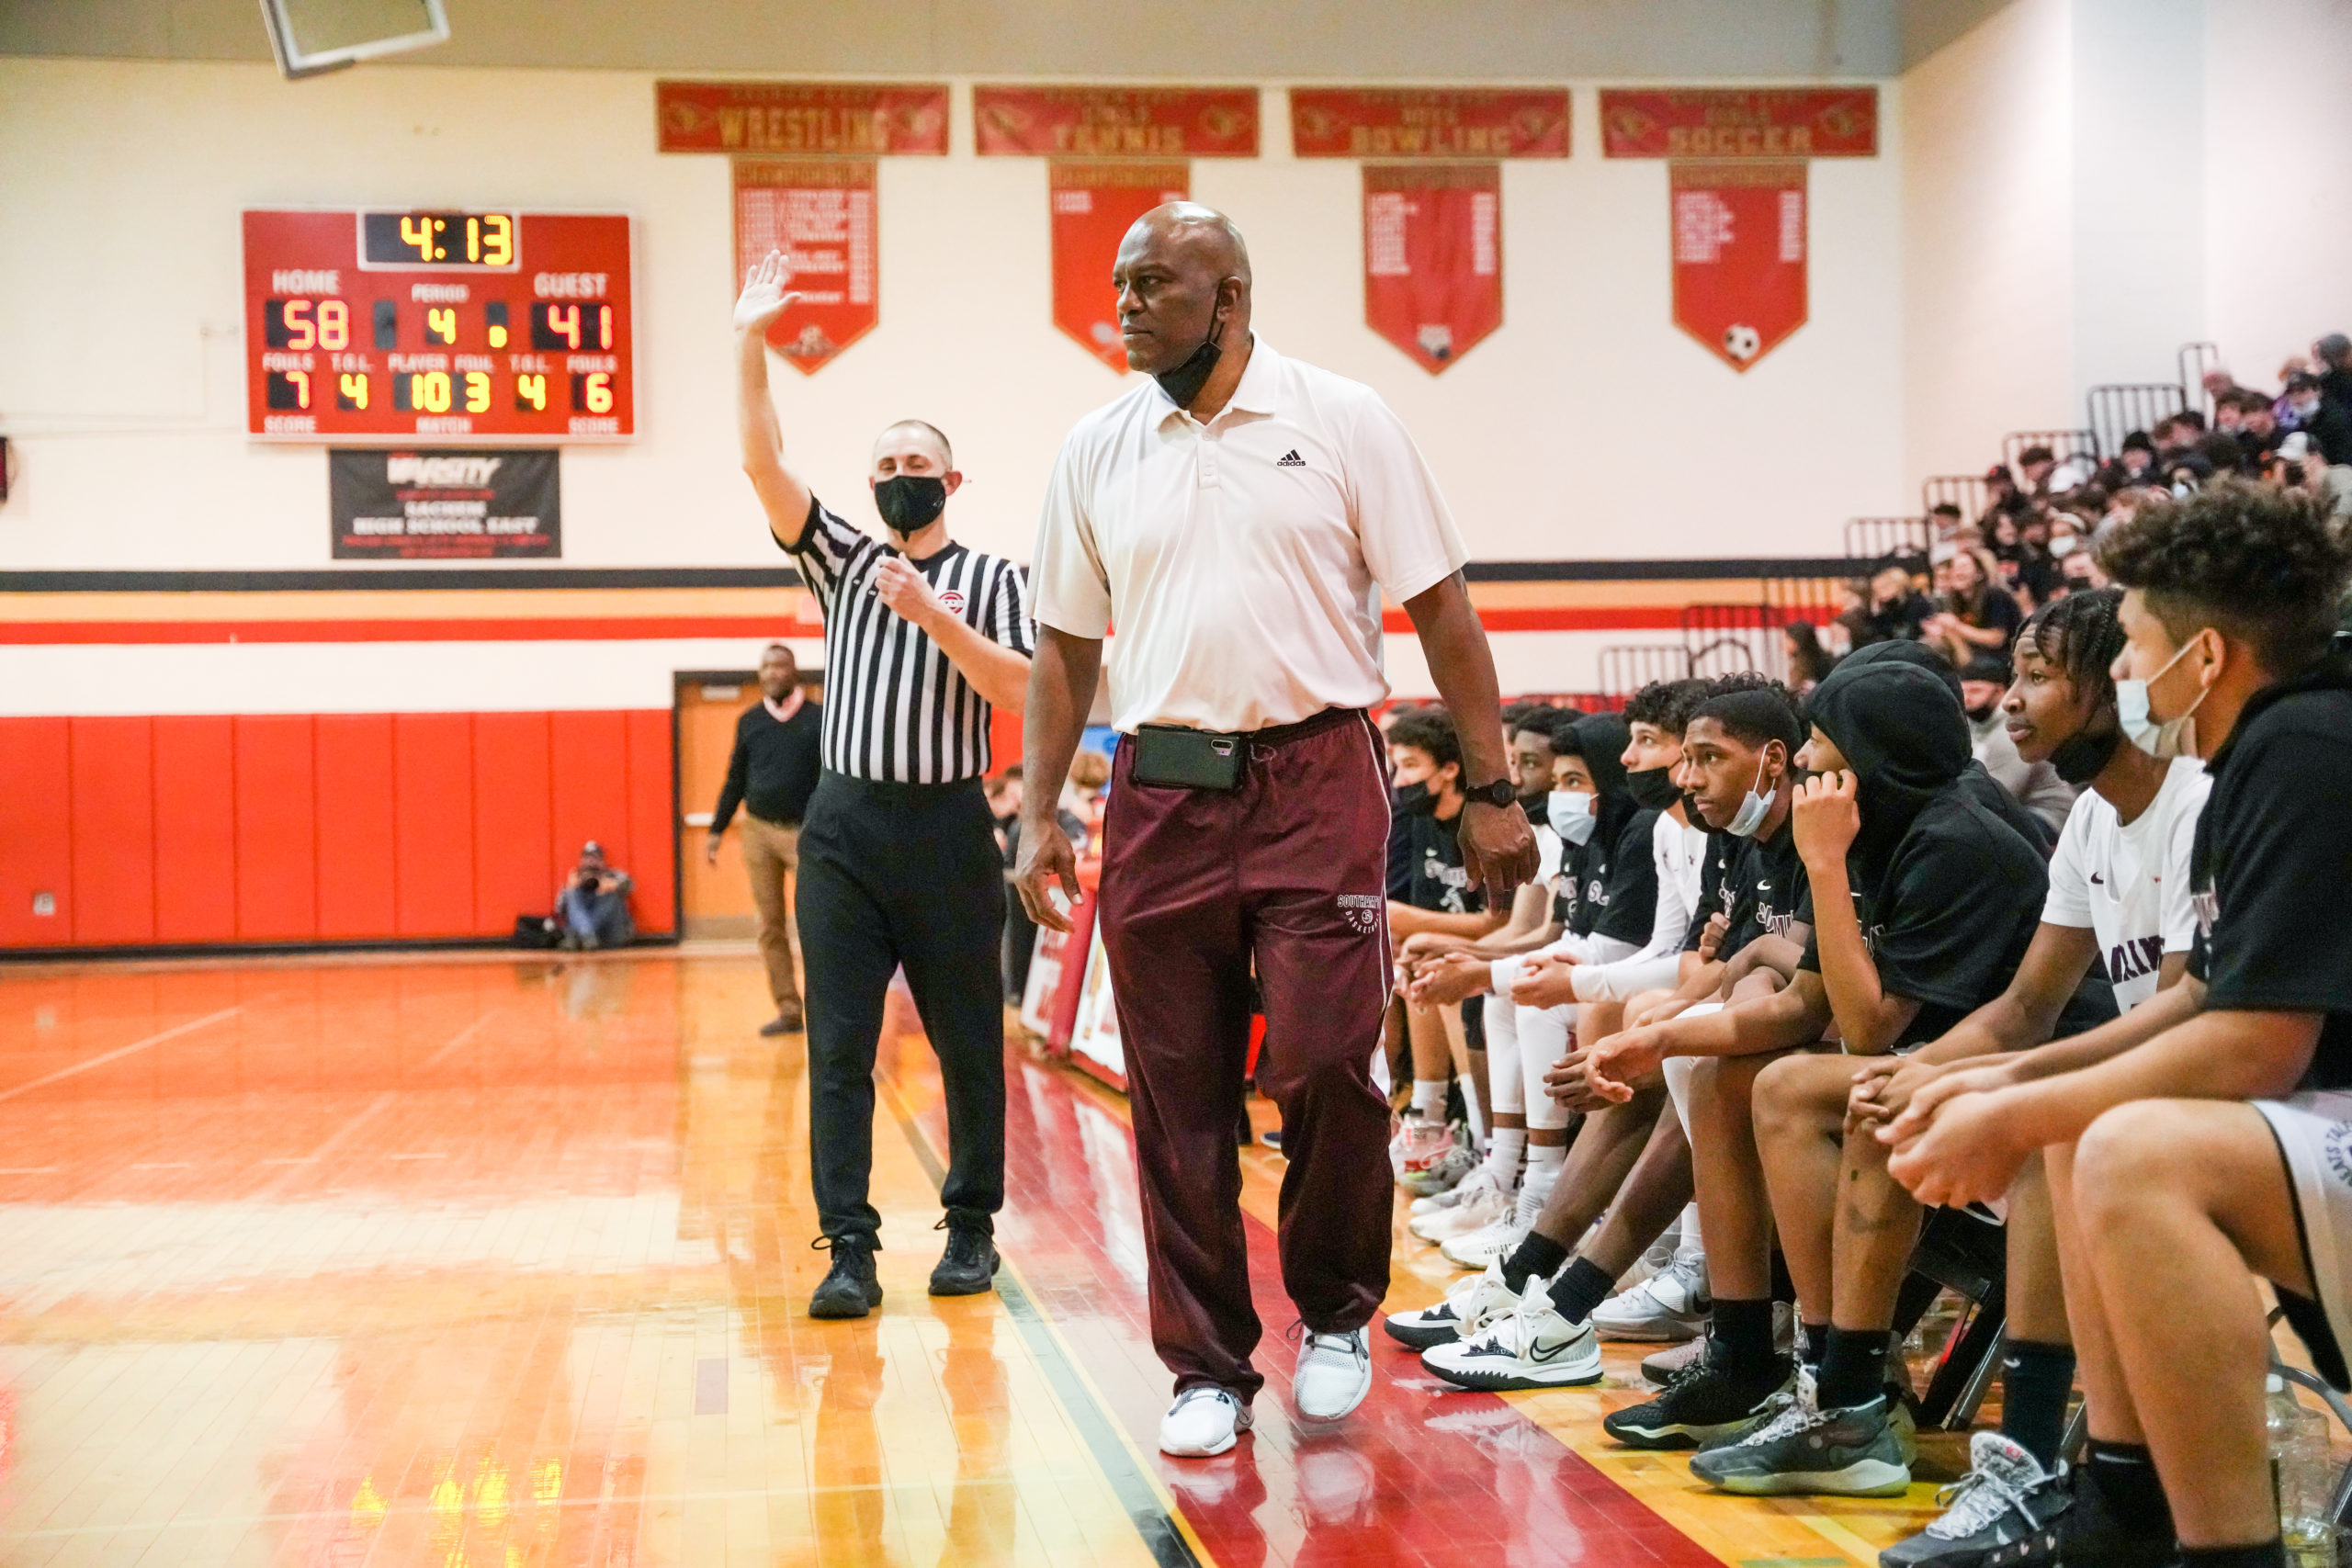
{"x":479,"y":324}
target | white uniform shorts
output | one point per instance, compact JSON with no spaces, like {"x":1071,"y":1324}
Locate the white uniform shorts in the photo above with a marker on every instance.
{"x":2315,"y":1134}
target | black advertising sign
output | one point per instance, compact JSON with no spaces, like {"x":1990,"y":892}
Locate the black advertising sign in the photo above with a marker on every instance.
{"x":442,"y":505}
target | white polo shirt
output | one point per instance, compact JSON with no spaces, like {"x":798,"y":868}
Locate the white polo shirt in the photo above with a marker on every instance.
{"x":1242,"y":562}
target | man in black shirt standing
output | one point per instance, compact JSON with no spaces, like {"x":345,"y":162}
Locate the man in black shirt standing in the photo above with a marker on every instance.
{"x":772,"y":774}
{"x":2219,"y":1143}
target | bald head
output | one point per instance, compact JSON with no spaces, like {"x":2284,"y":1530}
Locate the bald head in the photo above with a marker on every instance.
{"x":1183,"y":271}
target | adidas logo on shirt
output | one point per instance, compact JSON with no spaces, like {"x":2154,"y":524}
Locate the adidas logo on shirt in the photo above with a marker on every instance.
{"x":1290,"y":460}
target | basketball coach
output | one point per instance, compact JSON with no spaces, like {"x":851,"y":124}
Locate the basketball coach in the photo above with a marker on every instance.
{"x":1238,"y":517}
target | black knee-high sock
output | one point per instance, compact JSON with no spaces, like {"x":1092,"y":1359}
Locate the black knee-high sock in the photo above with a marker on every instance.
{"x":2036,"y":1377}
{"x":2125,"y":1475}
{"x":1853,"y":1367}
{"x":1813,"y":1339}
{"x":1743,"y":1336}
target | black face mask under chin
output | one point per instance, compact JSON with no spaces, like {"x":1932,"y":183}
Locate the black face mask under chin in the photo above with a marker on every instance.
{"x":1652,"y":788}
{"x":910,"y":502}
{"x":1183,"y":383}
{"x":2079,"y":757}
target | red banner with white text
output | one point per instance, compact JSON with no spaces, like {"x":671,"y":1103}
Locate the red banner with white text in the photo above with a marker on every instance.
{"x":820,"y":214}
{"x":802,"y":119}
{"x":1739,"y":122}
{"x":1094,"y":204}
{"x":1432,"y":257}
{"x":1116,"y":122}
{"x":1739,"y":250}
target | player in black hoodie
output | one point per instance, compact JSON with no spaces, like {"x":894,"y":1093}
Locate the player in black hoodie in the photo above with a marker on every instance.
{"x":1924,"y":901}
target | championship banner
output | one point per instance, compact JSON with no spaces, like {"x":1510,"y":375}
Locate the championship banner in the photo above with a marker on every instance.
{"x":820,"y":214}
{"x":1117,"y":122}
{"x":1094,"y":205}
{"x":1432,"y":257}
{"x":1739,"y":243}
{"x":802,"y":119}
{"x":435,"y":505}
{"x":1429,"y":122}
{"x":1739,"y":122}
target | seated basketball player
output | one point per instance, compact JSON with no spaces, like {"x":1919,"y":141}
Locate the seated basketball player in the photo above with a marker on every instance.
{"x":2180,"y":1187}
{"x":2119,"y":893}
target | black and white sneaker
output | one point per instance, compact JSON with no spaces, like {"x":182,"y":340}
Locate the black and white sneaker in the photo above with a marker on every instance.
{"x":2003,"y":1514}
{"x":1702,"y":1400}
{"x":1528,"y":1347}
{"x":1469,"y":1306}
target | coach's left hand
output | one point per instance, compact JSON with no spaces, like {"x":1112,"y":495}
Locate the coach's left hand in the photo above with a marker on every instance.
{"x":1497,"y":848}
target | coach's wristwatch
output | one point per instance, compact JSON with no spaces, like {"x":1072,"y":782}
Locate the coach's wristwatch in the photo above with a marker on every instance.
{"x":1501,"y":791}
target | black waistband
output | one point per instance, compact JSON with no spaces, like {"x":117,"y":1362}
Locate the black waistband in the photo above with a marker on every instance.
{"x":1283,"y":734}
{"x":891,"y":789}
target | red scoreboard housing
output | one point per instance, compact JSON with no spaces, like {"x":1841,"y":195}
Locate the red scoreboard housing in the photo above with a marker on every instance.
{"x":408,"y":325}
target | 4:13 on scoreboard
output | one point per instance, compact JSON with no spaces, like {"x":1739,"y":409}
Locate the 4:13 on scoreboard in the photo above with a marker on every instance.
{"x":482,"y":325}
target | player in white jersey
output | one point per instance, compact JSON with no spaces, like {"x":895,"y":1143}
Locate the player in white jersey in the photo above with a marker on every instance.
{"x":2117,"y":900}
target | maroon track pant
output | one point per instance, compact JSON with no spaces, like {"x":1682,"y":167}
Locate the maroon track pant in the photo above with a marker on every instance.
{"x":1287,"y":873}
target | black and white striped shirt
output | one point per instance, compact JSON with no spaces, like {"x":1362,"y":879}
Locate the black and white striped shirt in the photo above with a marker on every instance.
{"x":895,"y":708}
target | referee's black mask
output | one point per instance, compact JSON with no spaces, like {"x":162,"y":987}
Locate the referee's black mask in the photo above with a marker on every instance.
{"x":910,"y":502}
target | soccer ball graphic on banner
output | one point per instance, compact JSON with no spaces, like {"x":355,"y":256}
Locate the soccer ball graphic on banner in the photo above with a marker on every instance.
{"x":1436,"y":339}
{"x":1742,"y":341}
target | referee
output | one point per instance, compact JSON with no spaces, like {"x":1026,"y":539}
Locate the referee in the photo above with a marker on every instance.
{"x":899,"y":864}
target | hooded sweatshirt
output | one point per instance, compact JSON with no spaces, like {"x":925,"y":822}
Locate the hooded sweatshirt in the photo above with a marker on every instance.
{"x":1616,"y":875}
{"x":1977,"y":780}
{"x":1948,"y":894}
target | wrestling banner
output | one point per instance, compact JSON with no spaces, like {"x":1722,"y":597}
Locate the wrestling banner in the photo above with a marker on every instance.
{"x":1093,"y":206}
{"x":802,"y":119}
{"x":1739,"y":244}
{"x":820,"y":214}
{"x":1432,"y":257}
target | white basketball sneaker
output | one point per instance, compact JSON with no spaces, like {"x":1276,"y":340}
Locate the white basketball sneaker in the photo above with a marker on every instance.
{"x":1479,"y":1180}
{"x":1487,"y":1243}
{"x":1530,"y":1346}
{"x":1205,"y":1420}
{"x":1334,"y":1373}
{"x":1480,"y":1210}
{"x":1469,"y":1305}
{"x":1671,"y":1304}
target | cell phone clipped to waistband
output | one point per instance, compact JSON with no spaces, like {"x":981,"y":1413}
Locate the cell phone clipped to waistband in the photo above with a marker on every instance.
{"x":1170,"y":754}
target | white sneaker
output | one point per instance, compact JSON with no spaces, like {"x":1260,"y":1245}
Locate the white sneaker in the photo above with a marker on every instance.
{"x":1671,"y":1304}
{"x":1479,"y":1210}
{"x":1334,"y":1373}
{"x":1470,"y":1304}
{"x":1204,"y":1421}
{"x":1476,"y":1250}
{"x":1479,"y":1180}
{"x":1530,"y":1346}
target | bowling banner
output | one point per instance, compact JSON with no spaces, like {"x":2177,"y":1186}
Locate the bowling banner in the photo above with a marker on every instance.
{"x":1093,"y":206}
{"x":1739,"y":122}
{"x":1116,"y":122}
{"x":1432,"y":257}
{"x":802,"y":119}
{"x":1739,"y":244}
{"x":820,"y":214}
{"x":1429,"y":122}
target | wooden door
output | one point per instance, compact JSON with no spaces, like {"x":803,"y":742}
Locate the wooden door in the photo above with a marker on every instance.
{"x":715,"y":900}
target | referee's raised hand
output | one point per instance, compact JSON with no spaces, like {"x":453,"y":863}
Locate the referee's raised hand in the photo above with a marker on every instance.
{"x":766,"y":294}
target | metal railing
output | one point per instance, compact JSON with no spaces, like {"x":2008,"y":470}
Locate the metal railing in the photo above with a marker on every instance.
{"x":2120,"y":408}
{"x":2063,"y":445}
{"x":1873,"y":538}
{"x":1626,"y":668}
{"x":1967,"y":491}
{"x":2196,"y":360}
{"x":1724,"y":640}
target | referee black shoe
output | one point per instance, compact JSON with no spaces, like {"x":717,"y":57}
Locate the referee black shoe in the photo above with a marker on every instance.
{"x":849,"y":1288}
{"x":969,"y":1265}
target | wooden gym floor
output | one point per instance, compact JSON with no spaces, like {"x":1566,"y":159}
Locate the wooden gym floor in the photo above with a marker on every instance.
{"x":485,"y":1262}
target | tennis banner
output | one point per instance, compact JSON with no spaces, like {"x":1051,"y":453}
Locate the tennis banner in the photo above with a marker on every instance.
{"x":1094,"y":204}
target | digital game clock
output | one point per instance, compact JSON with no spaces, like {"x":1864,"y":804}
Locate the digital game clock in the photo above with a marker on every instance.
{"x":481,"y":325}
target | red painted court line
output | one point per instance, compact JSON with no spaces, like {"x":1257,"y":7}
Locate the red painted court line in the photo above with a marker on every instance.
{"x":1414,"y":1476}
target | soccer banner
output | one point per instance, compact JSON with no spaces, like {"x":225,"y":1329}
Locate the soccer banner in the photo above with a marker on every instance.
{"x":1094,"y":204}
{"x":1116,"y":122}
{"x":1429,"y":122}
{"x":1432,"y":257}
{"x":1739,"y":122}
{"x":1739,"y":244}
{"x":820,"y":214}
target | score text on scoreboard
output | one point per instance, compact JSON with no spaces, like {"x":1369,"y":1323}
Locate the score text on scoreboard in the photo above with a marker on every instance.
{"x":482,"y":325}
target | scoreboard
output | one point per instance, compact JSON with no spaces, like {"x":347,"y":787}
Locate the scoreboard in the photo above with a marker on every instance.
{"x":482,"y":326}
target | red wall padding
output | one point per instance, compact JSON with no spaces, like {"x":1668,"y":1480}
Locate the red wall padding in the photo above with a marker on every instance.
{"x":333,"y":828}
{"x":196,"y":830}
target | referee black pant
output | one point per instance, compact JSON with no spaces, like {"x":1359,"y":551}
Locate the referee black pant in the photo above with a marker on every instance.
{"x":901,"y":876}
